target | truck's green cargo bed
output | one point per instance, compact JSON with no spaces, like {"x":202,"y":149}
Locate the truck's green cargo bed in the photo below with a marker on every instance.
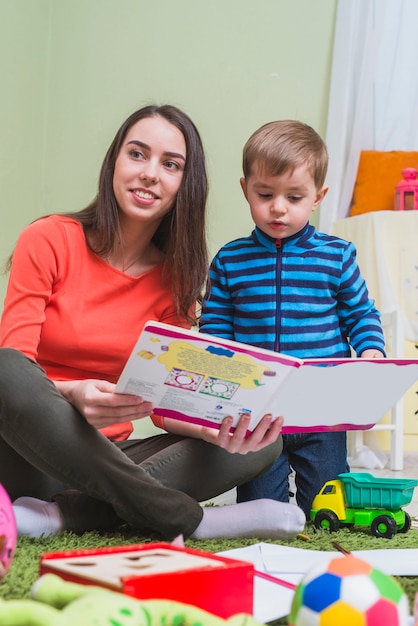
{"x":364,"y":491}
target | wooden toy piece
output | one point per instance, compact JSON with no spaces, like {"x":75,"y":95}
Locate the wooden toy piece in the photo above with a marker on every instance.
{"x":217,"y":584}
{"x":8,"y":532}
{"x":59,"y":603}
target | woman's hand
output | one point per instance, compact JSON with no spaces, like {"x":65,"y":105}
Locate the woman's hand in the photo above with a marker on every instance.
{"x":97,"y":402}
{"x":265,"y":433}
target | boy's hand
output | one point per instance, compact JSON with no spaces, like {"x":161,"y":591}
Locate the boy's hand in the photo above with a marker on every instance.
{"x":372,"y":353}
{"x":265,"y":433}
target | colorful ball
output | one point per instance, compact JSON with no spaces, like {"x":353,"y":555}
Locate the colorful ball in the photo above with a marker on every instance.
{"x":349,"y":592}
{"x":8,"y":533}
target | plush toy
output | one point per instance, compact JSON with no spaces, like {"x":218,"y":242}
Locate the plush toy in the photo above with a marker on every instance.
{"x":60,"y":603}
{"x":8,"y":533}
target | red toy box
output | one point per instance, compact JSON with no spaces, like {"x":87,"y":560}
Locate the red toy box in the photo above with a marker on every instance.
{"x":220,"y":585}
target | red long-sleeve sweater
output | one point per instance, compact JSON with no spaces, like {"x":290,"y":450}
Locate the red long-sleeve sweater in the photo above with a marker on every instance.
{"x":72,"y":312}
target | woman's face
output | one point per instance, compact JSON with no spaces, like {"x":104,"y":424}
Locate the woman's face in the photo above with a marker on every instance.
{"x":149,"y":170}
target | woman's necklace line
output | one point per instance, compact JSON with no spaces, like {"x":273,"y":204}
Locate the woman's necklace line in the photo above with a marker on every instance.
{"x":123,"y":268}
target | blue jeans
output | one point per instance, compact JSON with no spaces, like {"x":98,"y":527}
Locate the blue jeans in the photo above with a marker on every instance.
{"x":314,"y":457}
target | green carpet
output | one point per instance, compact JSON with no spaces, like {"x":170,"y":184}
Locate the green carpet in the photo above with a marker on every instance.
{"x":24,"y":569}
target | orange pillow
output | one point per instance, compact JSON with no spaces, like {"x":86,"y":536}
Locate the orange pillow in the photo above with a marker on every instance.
{"x":377,"y":175}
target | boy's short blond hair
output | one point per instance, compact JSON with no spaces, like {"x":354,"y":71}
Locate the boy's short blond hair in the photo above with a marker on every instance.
{"x":277,"y":147}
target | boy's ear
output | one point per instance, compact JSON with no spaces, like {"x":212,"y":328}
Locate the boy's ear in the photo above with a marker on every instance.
{"x":320,"y":195}
{"x":243,"y":184}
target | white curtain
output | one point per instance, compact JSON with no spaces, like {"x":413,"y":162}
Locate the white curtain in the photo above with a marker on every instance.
{"x":373,"y":102}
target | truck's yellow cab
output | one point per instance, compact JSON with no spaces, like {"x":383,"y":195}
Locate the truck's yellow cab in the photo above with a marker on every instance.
{"x":331,"y":497}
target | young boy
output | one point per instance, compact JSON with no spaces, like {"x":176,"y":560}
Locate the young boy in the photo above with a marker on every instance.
{"x":289,"y":288}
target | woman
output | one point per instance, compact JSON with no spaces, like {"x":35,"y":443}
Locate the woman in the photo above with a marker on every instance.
{"x":81,"y":288}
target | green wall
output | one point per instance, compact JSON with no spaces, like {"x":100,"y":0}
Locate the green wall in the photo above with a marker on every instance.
{"x":72,"y":70}
{"x":23,"y":71}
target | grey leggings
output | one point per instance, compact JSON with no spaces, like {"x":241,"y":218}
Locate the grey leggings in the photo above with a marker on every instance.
{"x":49,"y":451}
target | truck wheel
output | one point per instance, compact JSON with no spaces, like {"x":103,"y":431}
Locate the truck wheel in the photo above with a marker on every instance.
{"x":407,"y":524}
{"x":327,"y":520}
{"x":384,"y":526}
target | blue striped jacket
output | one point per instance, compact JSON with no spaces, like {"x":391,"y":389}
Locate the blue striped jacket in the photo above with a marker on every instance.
{"x":303,"y":296}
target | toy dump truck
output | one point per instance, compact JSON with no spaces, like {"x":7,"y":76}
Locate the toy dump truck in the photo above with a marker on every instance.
{"x":360,"y":499}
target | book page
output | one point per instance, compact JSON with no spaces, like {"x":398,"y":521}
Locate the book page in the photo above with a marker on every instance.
{"x":343,"y":394}
{"x":202,"y":379}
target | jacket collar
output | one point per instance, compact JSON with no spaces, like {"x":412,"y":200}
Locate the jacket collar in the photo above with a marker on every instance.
{"x":268,"y":242}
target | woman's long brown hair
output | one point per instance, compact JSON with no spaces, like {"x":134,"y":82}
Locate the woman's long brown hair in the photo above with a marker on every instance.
{"x":181,"y":236}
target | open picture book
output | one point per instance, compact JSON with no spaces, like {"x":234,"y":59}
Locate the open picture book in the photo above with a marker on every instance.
{"x":202,"y":378}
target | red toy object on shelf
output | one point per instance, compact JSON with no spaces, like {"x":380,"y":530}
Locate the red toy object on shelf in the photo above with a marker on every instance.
{"x":216,"y":584}
{"x":406,"y":191}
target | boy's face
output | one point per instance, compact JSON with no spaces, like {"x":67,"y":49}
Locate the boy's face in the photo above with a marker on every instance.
{"x":281,"y":205}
